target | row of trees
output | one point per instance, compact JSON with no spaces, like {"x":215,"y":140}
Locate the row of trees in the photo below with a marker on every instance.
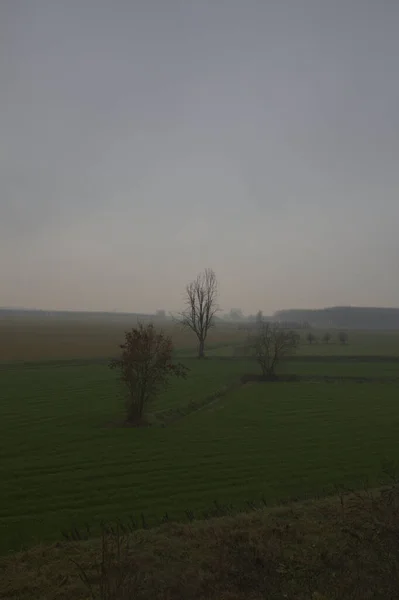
{"x":342,"y":337}
{"x":236,"y":315}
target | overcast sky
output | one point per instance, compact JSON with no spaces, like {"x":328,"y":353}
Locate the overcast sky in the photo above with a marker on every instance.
{"x":144,"y":140}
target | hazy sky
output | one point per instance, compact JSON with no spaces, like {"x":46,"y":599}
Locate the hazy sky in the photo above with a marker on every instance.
{"x":144,"y":140}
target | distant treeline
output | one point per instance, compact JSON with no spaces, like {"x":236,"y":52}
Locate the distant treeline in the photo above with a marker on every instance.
{"x":340,"y":317}
{"x":344,"y":317}
{"x":70,"y":314}
{"x":250,"y":325}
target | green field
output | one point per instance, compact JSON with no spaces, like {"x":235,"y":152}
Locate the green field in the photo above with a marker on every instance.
{"x":66,"y":461}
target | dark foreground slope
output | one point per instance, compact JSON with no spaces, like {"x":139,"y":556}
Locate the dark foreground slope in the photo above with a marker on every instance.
{"x":341,"y":548}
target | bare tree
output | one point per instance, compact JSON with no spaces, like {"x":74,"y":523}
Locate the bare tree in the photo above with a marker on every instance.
{"x":201,"y":302}
{"x":343,"y":337}
{"x":310,"y":338}
{"x":326,"y":337}
{"x":270,"y":344}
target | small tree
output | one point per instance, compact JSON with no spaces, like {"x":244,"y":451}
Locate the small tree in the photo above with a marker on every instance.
{"x":145,"y":367}
{"x":271,"y":344}
{"x":259,"y":317}
{"x":310,"y":338}
{"x":201,"y":301}
{"x":343,"y":337}
{"x":326,"y":337}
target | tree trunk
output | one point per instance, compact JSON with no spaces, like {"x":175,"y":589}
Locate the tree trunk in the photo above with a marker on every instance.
{"x":201,"y":349}
{"x":264,"y":369}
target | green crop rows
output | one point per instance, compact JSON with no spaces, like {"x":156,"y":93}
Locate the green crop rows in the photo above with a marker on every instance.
{"x":66,"y":460}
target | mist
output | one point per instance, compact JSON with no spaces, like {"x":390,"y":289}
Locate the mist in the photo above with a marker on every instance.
{"x":142,"y":142}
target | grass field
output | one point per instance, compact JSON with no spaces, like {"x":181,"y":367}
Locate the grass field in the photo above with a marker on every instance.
{"x":65,"y":461}
{"x":40,"y":338}
{"x":48,"y":338}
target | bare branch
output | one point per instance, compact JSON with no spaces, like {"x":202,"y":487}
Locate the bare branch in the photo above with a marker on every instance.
{"x":270,"y":344}
{"x":201,"y":306}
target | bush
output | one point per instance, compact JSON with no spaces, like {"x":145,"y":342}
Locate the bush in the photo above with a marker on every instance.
{"x":145,"y":368}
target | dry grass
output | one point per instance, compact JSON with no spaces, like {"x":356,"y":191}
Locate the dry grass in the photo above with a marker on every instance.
{"x":44,"y":337}
{"x":27,"y":337}
{"x":335,"y":549}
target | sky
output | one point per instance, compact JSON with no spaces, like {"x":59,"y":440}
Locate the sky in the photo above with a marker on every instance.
{"x":142,"y":141}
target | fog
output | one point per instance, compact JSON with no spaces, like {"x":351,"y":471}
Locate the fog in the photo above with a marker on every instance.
{"x":144,"y":141}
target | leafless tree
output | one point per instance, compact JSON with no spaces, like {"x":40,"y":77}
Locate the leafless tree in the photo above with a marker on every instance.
{"x":201,"y":307}
{"x":343,"y":337}
{"x":326,"y":337}
{"x":270,"y":344}
{"x":310,"y":337}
